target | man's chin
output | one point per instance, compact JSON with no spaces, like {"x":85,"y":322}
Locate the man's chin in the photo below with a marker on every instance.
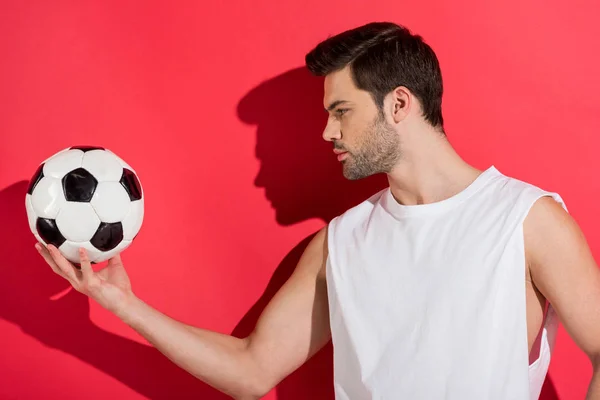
{"x":352,"y":175}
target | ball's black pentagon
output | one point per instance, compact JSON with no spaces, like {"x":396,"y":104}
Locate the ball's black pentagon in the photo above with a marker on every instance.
{"x":37,"y":176}
{"x":49,"y":232}
{"x":86,"y":148}
{"x":131,"y":184}
{"x":79,"y":185}
{"x":108,"y":236}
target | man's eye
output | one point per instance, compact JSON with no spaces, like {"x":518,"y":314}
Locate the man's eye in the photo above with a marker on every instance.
{"x":341,"y":111}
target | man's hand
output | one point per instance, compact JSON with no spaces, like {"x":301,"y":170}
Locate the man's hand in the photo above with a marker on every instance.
{"x":110,"y":287}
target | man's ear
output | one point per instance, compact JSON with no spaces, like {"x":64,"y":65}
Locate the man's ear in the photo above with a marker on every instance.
{"x":400,"y":103}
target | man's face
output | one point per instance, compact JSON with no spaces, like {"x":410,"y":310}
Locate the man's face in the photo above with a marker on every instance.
{"x":365,"y":142}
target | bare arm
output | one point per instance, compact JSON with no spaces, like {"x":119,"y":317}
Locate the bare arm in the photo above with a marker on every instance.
{"x":295,"y":325}
{"x":565,"y":272}
{"x":292,"y":328}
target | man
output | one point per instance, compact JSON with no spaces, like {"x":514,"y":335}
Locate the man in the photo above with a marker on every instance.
{"x":436,"y":287}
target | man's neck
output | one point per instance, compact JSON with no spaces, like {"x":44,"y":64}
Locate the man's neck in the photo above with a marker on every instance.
{"x":429,"y":171}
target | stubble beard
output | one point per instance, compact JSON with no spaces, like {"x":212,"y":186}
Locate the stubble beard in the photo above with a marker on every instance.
{"x":379,"y":152}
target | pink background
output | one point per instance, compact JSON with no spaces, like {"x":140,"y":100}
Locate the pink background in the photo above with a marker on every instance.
{"x":209,"y":102}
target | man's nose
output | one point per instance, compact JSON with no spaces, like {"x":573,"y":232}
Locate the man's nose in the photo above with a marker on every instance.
{"x":332,"y":131}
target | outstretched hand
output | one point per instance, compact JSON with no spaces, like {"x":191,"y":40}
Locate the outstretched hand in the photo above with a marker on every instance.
{"x":110,"y":287}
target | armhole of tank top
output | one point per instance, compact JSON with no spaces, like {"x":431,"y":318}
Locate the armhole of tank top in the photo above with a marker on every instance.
{"x":545,"y":338}
{"x":331,"y":227}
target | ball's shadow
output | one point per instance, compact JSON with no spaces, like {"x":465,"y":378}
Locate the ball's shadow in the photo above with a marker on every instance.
{"x":26,"y":287}
{"x":301,"y":179}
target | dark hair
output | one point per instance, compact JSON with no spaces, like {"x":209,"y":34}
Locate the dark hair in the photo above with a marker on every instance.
{"x":383,"y":56}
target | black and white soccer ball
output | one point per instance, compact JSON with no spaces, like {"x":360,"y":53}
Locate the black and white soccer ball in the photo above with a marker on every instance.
{"x":85,"y":196}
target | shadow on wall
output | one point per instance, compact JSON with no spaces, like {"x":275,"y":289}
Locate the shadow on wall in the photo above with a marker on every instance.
{"x":298,"y":170}
{"x":302,"y":180}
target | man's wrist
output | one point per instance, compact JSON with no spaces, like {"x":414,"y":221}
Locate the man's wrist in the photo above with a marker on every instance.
{"x":127,"y":310}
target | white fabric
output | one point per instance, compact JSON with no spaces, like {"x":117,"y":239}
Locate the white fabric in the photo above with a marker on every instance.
{"x":428,"y":301}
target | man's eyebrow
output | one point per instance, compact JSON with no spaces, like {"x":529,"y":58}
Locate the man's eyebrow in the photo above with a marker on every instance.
{"x":335,"y":104}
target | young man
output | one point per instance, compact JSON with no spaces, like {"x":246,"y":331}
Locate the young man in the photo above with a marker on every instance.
{"x":435,"y":287}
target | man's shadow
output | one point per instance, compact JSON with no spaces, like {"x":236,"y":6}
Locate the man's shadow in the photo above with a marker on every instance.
{"x":301,"y":179}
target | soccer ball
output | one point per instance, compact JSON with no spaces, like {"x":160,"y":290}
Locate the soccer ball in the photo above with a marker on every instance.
{"x":85,"y":196}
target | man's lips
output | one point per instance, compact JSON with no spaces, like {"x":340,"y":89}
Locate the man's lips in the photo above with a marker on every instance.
{"x":341,"y":154}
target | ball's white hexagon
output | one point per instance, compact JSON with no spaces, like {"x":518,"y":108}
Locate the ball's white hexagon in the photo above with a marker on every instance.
{"x":108,"y":254}
{"x":121,"y":161}
{"x":77,"y":222}
{"x":48,"y":197}
{"x":62,"y":163}
{"x":55,"y":154}
{"x":111,"y":201}
{"x":70,"y":250}
{"x":31,"y":215}
{"x":104,"y":165}
{"x":133,"y":221}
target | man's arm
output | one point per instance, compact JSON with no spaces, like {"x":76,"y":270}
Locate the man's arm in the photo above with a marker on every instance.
{"x":292,"y":328}
{"x":564,"y":270}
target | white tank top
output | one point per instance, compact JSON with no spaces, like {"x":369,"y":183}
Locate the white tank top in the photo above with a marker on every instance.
{"x":427,"y":302}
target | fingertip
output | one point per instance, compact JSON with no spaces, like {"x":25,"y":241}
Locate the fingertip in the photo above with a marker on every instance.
{"x":83,"y":253}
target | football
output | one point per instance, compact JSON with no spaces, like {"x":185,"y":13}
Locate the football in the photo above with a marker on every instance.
{"x":85,"y":196}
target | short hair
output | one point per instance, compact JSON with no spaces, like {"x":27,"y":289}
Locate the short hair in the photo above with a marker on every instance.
{"x":383,"y":56}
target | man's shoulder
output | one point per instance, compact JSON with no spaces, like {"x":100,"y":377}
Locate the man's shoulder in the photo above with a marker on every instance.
{"x":512,"y":189}
{"x":517,"y":196}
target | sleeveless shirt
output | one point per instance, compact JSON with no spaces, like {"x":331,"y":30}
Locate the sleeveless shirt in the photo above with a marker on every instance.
{"x":428,"y":301}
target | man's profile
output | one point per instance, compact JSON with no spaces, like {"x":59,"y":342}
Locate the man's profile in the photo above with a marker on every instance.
{"x":448,"y":283}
